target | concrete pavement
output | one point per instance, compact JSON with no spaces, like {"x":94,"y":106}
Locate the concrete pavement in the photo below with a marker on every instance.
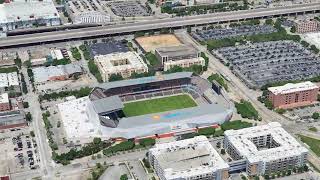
{"x":157,"y":24}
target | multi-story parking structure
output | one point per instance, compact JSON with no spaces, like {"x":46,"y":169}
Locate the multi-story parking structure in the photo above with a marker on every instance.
{"x":266,"y":149}
{"x":293,"y":95}
{"x":182,"y":55}
{"x":188,"y":159}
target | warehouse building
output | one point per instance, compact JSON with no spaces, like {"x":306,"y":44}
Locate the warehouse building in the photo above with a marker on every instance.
{"x":12,"y":119}
{"x":120,"y":63}
{"x":188,"y":159}
{"x":293,"y":95}
{"x":18,"y":15}
{"x":306,"y":26}
{"x":56,"y":73}
{"x":183,"y":56}
{"x":266,"y":149}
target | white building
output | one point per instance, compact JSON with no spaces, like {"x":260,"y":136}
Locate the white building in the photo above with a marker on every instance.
{"x":9,"y":79}
{"x":188,"y":159}
{"x":267,"y":148}
{"x":92,"y":17}
{"x":123,"y":63}
{"x":182,"y":55}
{"x":15,"y":15}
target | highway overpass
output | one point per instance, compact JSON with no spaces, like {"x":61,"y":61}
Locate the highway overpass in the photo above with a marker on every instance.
{"x":176,"y":22}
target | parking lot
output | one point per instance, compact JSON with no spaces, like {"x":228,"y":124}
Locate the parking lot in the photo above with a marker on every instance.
{"x":19,"y":153}
{"x":243,"y":30}
{"x":129,"y":9}
{"x":261,"y":63}
{"x":303,"y":114}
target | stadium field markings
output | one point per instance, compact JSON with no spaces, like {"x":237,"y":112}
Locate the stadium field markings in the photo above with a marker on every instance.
{"x":158,"y":105}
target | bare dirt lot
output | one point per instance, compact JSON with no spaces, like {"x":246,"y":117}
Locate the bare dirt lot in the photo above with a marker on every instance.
{"x":150,"y":43}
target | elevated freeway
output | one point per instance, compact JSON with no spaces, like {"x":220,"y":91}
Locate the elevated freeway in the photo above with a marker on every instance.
{"x":176,"y":22}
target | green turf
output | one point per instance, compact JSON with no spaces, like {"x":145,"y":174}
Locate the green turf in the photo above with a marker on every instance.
{"x":158,"y":105}
{"x":314,"y":144}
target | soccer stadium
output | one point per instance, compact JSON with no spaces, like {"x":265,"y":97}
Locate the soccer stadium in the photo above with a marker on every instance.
{"x":157,"y":106}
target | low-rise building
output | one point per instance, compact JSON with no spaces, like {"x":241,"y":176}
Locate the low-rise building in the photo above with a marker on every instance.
{"x":305,"y":26}
{"x":183,"y":56}
{"x":4,"y":102}
{"x":56,"y":73}
{"x":267,"y":149}
{"x":9,"y":80}
{"x":293,"y":95}
{"x":25,"y":14}
{"x":12,"y":119}
{"x":188,"y":159}
{"x":120,"y":63}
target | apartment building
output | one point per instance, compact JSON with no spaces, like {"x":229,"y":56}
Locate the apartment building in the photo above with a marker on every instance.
{"x":266,"y":149}
{"x":188,"y":159}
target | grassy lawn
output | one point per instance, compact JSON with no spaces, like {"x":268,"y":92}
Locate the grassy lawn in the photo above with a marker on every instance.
{"x":158,"y":105}
{"x":314,"y":144}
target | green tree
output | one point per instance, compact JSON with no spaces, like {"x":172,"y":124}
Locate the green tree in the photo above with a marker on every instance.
{"x":293,"y":29}
{"x":25,"y":104}
{"x":115,"y":77}
{"x":124,"y":177}
{"x":315,"y":115}
{"x":28,"y":117}
{"x":147,"y":142}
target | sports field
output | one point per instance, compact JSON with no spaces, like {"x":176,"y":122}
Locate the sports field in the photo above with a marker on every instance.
{"x":158,"y":105}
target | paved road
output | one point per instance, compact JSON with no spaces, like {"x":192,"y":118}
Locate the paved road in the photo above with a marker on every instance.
{"x":156,"y":24}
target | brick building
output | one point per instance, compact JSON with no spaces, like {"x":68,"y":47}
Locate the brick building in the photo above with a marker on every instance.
{"x":293,"y":95}
{"x":307,"y":26}
{"x":4,"y":102}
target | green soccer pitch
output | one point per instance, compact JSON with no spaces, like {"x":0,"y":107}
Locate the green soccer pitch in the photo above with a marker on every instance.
{"x":158,"y":105}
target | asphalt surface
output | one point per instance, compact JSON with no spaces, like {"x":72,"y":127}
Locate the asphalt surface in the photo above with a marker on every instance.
{"x":156,"y":24}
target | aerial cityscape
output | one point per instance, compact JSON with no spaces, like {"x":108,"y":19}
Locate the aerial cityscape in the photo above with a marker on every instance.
{"x":159,"y":89}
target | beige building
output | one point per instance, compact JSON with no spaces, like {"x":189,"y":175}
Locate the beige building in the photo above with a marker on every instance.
{"x":193,"y":158}
{"x":123,"y":63}
{"x":307,"y":26}
{"x":266,"y":149}
{"x":182,"y":55}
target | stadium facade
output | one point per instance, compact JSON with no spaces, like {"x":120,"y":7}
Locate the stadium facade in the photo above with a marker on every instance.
{"x":105,"y":103}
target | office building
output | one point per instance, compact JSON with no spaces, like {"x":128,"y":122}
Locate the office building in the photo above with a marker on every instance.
{"x":267,"y":149}
{"x":293,"y":95}
{"x":188,"y":159}
{"x":183,"y":56}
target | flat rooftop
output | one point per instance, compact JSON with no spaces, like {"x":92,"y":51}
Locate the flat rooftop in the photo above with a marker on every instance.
{"x":74,"y":115}
{"x":150,"y":43}
{"x":241,"y":140}
{"x":117,"y":62}
{"x":291,"y":87}
{"x":4,"y":98}
{"x":26,"y":11}
{"x":188,"y":157}
{"x":172,"y":51}
{"x":108,"y":48}
{"x":144,"y":80}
